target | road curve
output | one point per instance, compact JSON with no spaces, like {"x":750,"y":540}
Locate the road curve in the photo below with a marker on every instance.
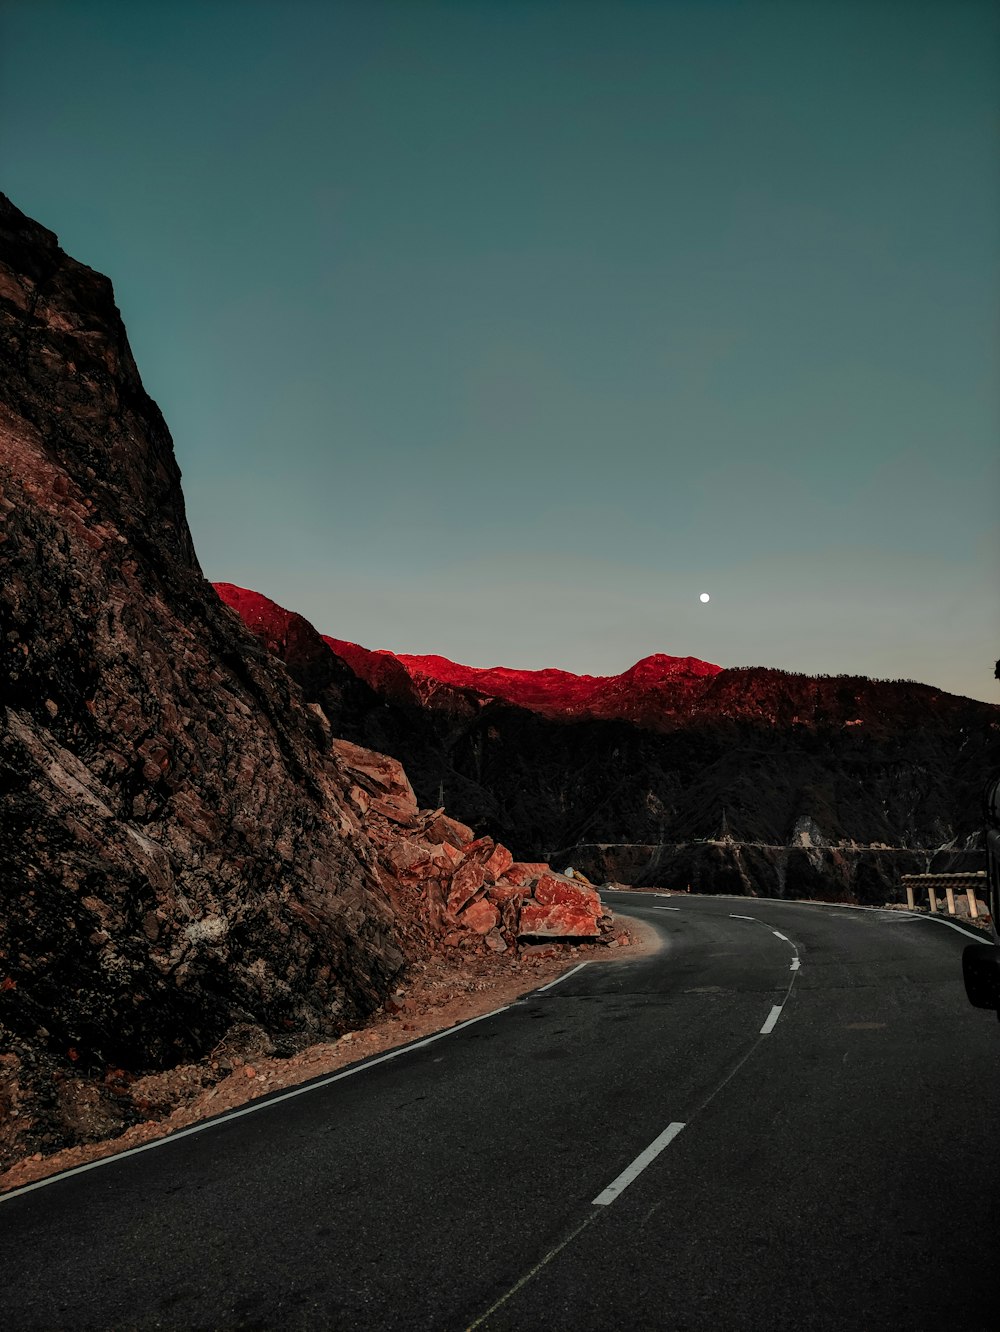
{"x":788,"y":1117}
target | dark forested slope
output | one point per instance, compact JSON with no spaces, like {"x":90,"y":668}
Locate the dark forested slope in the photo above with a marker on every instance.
{"x":748,"y":780}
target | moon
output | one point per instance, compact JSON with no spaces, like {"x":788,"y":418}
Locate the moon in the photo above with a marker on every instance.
{"x":704,"y":597}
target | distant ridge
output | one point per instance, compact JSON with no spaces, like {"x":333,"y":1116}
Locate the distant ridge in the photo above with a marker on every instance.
{"x":654,"y":687}
{"x":553,"y":693}
{"x":658,"y":693}
{"x":738,"y":780}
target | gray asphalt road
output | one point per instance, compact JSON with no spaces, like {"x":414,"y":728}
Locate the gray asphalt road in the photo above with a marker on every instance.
{"x":840,"y":1169}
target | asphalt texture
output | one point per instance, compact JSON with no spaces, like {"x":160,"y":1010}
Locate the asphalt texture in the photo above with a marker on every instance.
{"x":840,"y":1171}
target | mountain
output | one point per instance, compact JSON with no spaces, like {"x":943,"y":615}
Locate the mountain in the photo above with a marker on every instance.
{"x":193,"y":861}
{"x":675,"y":772}
{"x":180,"y":859}
{"x":649,"y":693}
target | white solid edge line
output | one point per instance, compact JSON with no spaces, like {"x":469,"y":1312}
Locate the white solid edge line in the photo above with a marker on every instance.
{"x":795,"y":964}
{"x":565,"y":976}
{"x":980,"y":936}
{"x":779,"y":935}
{"x":640,"y":1163}
{"x":772,"y":1018}
{"x":838,"y":906}
{"x":251,"y":1109}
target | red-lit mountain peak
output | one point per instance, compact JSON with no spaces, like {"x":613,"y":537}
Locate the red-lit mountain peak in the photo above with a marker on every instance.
{"x":561,"y":693}
{"x":545,"y":689}
{"x":653,"y":686}
{"x":659,"y":667}
{"x":266,"y":618}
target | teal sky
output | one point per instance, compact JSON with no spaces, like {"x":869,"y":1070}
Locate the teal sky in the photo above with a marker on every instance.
{"x":503,"y":330}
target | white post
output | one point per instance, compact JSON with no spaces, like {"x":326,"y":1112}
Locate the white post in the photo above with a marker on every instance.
{"x":909,"y":897}
{"x":932,"y":899}
{"x":950,"y":894}
{"x":971,"y":895}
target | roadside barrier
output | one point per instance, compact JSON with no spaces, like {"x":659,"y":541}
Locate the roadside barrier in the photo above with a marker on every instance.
{"x":973,"y":885}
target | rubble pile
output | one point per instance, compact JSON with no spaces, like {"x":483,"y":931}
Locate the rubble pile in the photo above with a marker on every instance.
{"x":472,"y":893}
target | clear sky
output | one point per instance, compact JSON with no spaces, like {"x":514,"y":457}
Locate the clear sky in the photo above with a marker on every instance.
{"x":503,"y":330}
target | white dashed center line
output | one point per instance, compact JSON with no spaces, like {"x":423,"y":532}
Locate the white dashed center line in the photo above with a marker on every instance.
{"x":772,"y":1018}
{"x":640,"y":1163}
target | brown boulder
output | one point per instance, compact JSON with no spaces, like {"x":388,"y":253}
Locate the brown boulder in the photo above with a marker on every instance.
{"x":480,"y":850}
{"x":498,"y":863}
{"x":395,"y":808}
{"x":525,"y":872}
{"x":550,"y":889}
{"x":560,"y":920}
{"x":505,"y":892}
{"x":481,"y":916}
{"x":451,"y":855}
{"x":466,"y":883}
{"x":444,"y":829}
{"x":382,"y":777}
{"x":409,"y":860}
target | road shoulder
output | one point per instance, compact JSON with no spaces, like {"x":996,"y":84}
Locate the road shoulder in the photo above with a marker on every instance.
{"x":438,"y":995}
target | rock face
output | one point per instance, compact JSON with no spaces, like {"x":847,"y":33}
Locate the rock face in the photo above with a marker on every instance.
{"x":747,"y":781}
{"x":193,"y":862}
{"x":180,"y":853}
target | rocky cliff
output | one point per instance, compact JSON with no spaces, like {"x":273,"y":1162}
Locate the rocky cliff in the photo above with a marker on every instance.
{"x":180,"y":860}
{"x":677,"y":772}
{"x":195,"y":866}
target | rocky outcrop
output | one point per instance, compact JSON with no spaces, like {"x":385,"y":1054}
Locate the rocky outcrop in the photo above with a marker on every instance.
{"x":739,"y":781}
{"x":180,"y":856}
{"x":195,"y":869}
